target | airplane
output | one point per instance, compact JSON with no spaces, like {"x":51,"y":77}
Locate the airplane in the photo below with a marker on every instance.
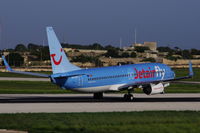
{"x":152,"y":78}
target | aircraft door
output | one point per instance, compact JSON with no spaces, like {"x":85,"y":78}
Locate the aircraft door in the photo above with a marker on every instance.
{"x":80,"y":81}
{"x":76,"y":81}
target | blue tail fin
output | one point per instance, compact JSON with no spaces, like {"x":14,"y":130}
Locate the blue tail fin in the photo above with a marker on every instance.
{"x":59,"y":60}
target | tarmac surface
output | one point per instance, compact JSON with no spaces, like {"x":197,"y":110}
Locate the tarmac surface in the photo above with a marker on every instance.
{"x":34,"y":103}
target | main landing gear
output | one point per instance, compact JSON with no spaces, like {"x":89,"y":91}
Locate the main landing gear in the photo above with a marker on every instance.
{"x":129,"y":96}
{"x":98,"y":95}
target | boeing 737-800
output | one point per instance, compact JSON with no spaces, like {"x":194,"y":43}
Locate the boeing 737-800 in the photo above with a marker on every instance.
{"x":152,"y":78}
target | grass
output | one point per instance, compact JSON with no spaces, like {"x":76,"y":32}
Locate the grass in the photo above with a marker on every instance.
{"x":30,"y":87}
{"x":184,"y":72}
{"x":117,"y":122}
{"x":183,"y":88}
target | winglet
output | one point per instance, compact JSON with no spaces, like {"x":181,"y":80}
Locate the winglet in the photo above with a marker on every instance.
{"x":6,"y":64}
{"x":191,"y":73}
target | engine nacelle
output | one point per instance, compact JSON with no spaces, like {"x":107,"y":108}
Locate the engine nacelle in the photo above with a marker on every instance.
{"x":154,"y":89}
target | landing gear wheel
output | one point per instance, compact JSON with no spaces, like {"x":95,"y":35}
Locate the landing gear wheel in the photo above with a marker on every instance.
{"x":128,"y":97}
{"x":98,"y":95}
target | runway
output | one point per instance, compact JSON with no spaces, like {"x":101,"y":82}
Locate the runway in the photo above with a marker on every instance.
{"x":34,"y":103}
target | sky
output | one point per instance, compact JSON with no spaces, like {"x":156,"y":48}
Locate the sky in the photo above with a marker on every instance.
{"x":174,"y":23}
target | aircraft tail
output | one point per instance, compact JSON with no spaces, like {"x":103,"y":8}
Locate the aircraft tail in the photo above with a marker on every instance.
{"x":59,"y":60}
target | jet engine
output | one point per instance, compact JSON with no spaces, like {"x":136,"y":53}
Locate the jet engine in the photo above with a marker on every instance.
{"x":153,"y":89}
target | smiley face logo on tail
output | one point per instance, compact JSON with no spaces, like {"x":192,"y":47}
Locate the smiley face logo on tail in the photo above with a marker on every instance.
{"x":53,"y":58}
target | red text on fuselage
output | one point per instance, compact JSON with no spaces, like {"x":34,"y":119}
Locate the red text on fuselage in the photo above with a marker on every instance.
{"x":140,"y":74}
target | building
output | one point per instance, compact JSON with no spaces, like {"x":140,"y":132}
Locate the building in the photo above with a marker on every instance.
{"x":151,"y":53}
{"x":151,"y":45}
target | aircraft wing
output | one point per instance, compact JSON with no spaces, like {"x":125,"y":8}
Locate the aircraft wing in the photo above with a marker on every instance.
{"x":190,"y":75}
{"x":20,"y":72}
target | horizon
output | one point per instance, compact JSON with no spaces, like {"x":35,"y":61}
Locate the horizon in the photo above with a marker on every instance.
{"x":41,"y":45}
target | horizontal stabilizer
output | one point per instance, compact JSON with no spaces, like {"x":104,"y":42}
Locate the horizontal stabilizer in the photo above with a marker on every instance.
{"x":20,"y":72}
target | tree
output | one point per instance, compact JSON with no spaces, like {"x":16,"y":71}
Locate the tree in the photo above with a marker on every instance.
{"x":133,"y":54}
{"x":165,"y":49}
{"x":76,"y":50}
{"x":149,"y":59}
{"x":172,"y":58}
{"x":125,"y":55}
{"x":83,"y":59}
{"x":112,"y":53}
{"x":44,"y":53}
{"x":186,"y":54}
{"x":177,"y":51}
{"x":40,"y":52}
{"x":195,"y":52}
{"x":98,"y":62}
{"x":141,"y":49}
{"x":10,"y":50}
{"x":109,"y":47}
{"x":97,"y":46}
{"x":15,"y":59}
{"x":33,"y":47}
{"x":20,"y":48}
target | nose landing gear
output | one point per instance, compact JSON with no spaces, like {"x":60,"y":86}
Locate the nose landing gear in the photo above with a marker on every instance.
{"x":98,"y":95}
{"x":129,"y":96}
